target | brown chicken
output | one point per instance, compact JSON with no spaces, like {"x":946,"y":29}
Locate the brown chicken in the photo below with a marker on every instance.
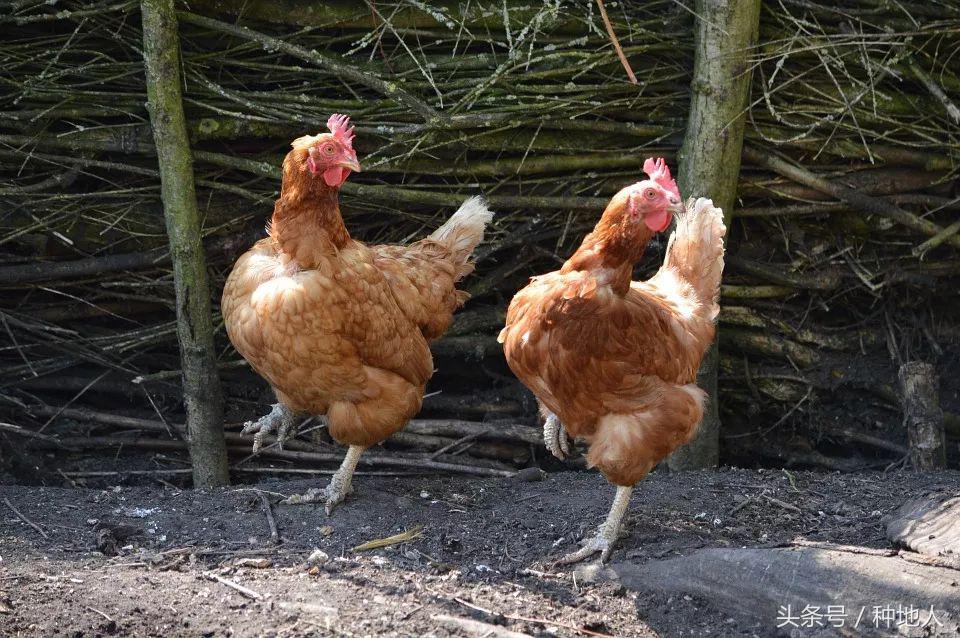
{"x":337,"y":327}
{"x":614,"y":361}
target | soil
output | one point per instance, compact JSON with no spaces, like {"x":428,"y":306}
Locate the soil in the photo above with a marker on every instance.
{"x":483,"y":553}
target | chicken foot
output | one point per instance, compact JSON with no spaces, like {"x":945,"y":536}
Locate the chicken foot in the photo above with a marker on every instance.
{"x":608,"y":534}
{"x":555,"y":437}
{"x":281,"y":418}
{"x":341,"y":484}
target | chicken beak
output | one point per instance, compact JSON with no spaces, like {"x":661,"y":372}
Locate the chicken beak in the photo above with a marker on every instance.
{"x":677,"y":208}
{"x":350,"y":162}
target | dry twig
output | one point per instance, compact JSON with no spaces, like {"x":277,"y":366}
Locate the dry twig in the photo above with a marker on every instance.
{"x":243,"y":591}
{"x":24,"y":518}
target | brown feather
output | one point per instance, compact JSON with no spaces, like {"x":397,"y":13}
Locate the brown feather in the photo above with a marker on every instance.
{"x":616,"y":360}
{"x":338,"y":327}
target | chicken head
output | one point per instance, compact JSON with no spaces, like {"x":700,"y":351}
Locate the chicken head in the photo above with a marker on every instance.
{"x":329,"y":155}
{"x":655,"y":199}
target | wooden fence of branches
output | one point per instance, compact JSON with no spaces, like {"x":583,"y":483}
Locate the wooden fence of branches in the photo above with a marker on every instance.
{"x":843,"y":250}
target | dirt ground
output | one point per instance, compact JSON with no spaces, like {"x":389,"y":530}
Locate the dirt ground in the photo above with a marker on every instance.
{"x":483,"y":553}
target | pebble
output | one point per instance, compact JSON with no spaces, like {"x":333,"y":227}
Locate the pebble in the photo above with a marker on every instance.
{"x":531,"y":474}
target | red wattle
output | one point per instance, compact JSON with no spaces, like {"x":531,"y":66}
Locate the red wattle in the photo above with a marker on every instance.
{"x":658,"y":221}
{"x":334,"y":176}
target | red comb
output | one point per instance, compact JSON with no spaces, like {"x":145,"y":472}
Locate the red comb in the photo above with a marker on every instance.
{"x":657,"y":171}
{"x":339,"y":125}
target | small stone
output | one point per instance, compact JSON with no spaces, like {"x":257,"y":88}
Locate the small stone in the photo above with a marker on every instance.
{"x":255,"y":563}
{"x":531,"y":474}
{"x":318,"y":557}
{"x":594,"y":573}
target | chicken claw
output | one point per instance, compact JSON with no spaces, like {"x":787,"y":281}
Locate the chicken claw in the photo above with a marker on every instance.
{"x":341,"y":484}
{"x":280,"y":418}
{"x":602,"y":543}
{"x":608,"y":534}
{"x":331,"y":495}
{"x":555,"y":437}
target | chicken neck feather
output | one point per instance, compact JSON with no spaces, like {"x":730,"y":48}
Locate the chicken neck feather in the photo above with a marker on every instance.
{"x":306,"y":224}
{"x":614,"y":246}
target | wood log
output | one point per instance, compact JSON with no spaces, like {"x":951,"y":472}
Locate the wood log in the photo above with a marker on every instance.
{"x":755,"y":292}
{"x":466,"y":347}
{"x":149,"y":425}
{"x":767,"y":345}
{"x":824,"y":279}
{"x":827,"y":208}
{"x":455,"y":464}
{"x":202,"y":396}
{"x":69,"y":269}
{"x":465,"y":405}
{"x":928,"y":525}
{"x":37,"y":271}
{"x":761,"y":583}
{"x":863,"y":438}
{"x":854,"y":198}
{"x":488,"y":319}
{"x":486,"y":450}
{"x":446,"y":463}
{"x":922,"y":416}
{"x":507,"y":441}
{"x":509,"y":432}
{"x":885,"y":180}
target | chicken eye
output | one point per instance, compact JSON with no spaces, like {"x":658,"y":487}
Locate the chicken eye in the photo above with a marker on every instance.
{"x":649,"y":193}
{"x":328,"y":149}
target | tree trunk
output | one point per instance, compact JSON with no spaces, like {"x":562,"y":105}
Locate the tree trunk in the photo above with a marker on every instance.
{"x":923,"y":416}
{"x":201,"y":385}
{"x":710,"y":160}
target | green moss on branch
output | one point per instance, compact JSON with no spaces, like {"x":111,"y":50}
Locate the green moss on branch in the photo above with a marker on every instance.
{"x":201,"y":384}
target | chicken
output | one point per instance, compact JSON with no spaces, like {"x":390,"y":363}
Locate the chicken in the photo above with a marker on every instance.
{"x":614,"y":361}
{"x":338,"y":328}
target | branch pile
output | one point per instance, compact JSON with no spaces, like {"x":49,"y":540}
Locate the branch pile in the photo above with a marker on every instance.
{"x":843,"y":251}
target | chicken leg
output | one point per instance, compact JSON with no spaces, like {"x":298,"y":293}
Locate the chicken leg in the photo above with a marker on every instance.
{"x":341,"y":484}
{"x":281,"y":418}
{"x":609,"y":532}
{"x":555,"y":437}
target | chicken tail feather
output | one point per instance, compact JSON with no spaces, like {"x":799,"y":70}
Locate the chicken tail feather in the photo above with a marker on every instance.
{"x":463,"y":231}
{"x":695,"y":251}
